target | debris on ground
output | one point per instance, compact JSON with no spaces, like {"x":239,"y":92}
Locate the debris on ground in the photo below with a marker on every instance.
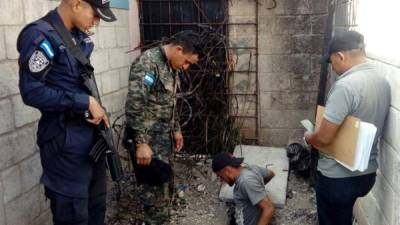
{"x":301,"y":206}
{"x":196,"y":200}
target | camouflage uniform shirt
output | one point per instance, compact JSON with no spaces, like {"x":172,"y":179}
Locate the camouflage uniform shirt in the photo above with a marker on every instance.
{"x":150,"y":105}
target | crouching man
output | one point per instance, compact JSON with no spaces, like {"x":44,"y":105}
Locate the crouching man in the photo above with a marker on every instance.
{"x":252,"y":205}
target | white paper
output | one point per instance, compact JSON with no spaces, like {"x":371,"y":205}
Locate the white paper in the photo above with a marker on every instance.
{"x":366,"y":137}
{"x":307,"y":125}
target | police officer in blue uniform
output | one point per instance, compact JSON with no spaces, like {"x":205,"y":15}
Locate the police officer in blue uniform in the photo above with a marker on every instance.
{"x":50,"y":81}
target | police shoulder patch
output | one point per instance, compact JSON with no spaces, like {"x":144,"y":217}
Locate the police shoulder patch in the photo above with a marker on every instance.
{"x":38,"y":62}
{"x":149,"y":79}
{"x":46,"y":47}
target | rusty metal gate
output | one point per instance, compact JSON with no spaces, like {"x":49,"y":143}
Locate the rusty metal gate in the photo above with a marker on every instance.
{"x":162,"y":18}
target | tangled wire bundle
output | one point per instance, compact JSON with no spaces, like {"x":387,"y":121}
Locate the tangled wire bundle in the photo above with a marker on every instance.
{"x":203,"y":101}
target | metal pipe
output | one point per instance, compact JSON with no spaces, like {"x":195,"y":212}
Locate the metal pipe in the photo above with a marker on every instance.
{"x":325,"y":66}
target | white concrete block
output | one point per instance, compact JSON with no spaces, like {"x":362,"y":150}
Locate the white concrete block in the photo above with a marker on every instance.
{"x":389,"y":165}
{"x":246,"y":60}
{"x":264,"y":64}
{"x":44,"y":202}
{"x":11,"y":183}
{"x":2,"y":44}
{"x":124,"y":77}
{"x":122,"y":18}
{"x":265,"y":26}
{"x":31,"y":170}
{"x":123,"y":36}
{"x":396,"y":209}
{"x":110,"y":81}
{"x":2,"y":210}
{"x":11,"y":12}
{"x":11,"y":41}
{"x":284,"y":118}
{"x":23,"y":209}
{"x":115,"y":102}
{"x":121,"y":99}
{"x":6,"y":153}
{"x":384,"y":195}
{"x":6,"y":116}
{"x":43,"y":219}
{"x":391,"y":131}
{"x":100,"y":60}
{"x":98,"y":82}
{"x":359,"y":214}
{"x":17,"y":146}
{"x":53,"y":3}
{"x":243,"y":41}
{"x":274,"y":82}
{"x":9,"y":78}
{"x":31,"y":200}
{"x":263,"y":156}
{"x":242,"y":8}
{"x":24,"y":142}
{"x":243,"y":82}
{"x":107,"y":37}
{"x":275,"y":44}
{"x":242,"y":19}
{"x":35,"y":9}
{"x":371,"y":211}
{"x":95,"y":37}
{"x":23,"y":114}
{"x":392,"y":74}
{"x":119,"y":58}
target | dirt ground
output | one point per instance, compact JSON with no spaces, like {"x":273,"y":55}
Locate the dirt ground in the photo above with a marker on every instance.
{"x":196,"y":201}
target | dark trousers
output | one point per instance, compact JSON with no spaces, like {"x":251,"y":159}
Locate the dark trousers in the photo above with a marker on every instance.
{"x":337,"y":196}
{"x":79,"y":211}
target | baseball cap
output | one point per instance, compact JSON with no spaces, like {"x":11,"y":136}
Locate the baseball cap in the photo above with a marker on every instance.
{"x":102,"y":9}
{"x":343,"y":41}
{"x":224,"y":159}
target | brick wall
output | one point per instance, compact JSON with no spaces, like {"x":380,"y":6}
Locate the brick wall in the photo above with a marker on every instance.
{"x":382,"y":205}
{"x":290,"y":41}
{"x":21,"y":198}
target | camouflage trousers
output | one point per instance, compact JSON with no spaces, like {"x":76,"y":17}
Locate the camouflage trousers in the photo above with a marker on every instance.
{"x":156,"y":200}
{"x":156,"y":203}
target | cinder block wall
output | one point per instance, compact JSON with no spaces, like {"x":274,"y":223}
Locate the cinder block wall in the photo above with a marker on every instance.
{"x":382,"y":205}
{"x":21,"y":199}
{"x":290,"y":41}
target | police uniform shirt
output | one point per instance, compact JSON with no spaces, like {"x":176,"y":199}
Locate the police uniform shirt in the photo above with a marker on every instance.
{"x":49,"y":75}
{"x":50,"y":81}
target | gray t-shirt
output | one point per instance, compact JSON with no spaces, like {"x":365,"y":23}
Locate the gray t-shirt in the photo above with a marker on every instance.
{"x":364,"y":93}
{"x":249,"y":190}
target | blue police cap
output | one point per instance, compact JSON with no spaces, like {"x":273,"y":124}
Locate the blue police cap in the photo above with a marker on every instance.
{"x":102,"y":9}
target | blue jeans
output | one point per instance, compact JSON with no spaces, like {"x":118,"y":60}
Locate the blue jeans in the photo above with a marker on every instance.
{"x":336,"y":197}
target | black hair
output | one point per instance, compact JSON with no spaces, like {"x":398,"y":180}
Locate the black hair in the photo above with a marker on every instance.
{"x":189,"y":40}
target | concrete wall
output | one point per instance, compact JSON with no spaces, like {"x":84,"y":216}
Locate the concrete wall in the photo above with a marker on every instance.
{"x":21,"y":198}
{"x":290,"y":41}
{"x":382,"y":205}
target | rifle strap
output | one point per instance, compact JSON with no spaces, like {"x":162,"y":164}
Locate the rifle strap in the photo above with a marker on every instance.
{"x":69,"y":41}
{"x":73,"y":47}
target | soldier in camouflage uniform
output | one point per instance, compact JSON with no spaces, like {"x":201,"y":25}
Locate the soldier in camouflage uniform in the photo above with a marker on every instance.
{"x":151,"y":113}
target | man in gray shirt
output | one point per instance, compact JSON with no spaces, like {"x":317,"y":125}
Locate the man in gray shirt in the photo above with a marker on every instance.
{"x":252,"y":205}
{"x":360,"y":91}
